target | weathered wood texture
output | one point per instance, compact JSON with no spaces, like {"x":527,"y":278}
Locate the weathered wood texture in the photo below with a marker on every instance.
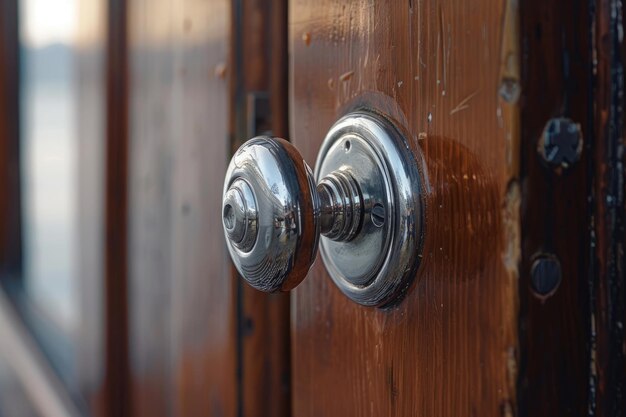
{"x":182,"y":295}
{"x":448,"y":73}
{"x":607,"y":223}
{"x":10,"y":207}
{"x":573,"y":341}
{"x":555,"y":331}
{"x":259,"y":106}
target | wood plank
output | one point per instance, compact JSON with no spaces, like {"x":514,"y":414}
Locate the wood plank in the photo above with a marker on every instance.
{"x":152,"y":132}
{"x":448,"y":73}
{"x":183,"y":298}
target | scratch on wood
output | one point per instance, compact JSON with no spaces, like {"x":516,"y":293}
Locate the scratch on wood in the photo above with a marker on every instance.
{"x":419,"y":40}
{"x":443,"y":47}
{"x":464,"y":104}
{"x":346,"y":76}
{"x":437,"y":60}
{"x":485,"y":33}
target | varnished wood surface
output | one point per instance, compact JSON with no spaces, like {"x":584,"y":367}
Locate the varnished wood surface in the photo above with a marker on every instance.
{"x":436,"y":67}
{"x":182,"y":295}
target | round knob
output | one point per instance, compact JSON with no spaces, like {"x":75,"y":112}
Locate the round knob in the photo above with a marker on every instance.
{"x":273,"y":214}
{"x":270,"y":214}
{"x":366,"y":207}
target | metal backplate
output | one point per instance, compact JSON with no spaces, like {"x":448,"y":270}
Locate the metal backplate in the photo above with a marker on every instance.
{"x":378,"y":265}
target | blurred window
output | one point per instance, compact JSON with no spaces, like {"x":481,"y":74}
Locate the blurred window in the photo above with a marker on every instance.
{"x":62,"y":154}
{"x":49,"y":157}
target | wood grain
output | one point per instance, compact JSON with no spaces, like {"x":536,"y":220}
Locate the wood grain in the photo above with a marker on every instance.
{"x":182,"y":295}
{"x":437,"y":68}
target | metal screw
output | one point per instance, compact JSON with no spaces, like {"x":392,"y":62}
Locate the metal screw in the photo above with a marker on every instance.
{"x":378,"y":215}
{"x":561,"y":142}
{"x":545,"y":275}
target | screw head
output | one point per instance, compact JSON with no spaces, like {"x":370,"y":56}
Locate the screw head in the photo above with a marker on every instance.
{"x":378,"y":215}
{"x":561,"y":142}
{"x":545,"y":275}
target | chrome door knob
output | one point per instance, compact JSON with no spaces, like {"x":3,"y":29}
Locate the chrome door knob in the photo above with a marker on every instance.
{"x":365,"y":204}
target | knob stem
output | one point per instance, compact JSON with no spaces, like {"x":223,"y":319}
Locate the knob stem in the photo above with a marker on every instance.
{"x":341,"y":207}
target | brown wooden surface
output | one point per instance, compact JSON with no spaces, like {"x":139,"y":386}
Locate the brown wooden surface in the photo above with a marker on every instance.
{"x":259,"y":74}
{"x":556,"y":358}
{"x":436,"y":67}
{"x":182,"y":295}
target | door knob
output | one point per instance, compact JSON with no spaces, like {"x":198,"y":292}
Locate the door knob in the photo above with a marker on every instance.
{"x":363,"y":207}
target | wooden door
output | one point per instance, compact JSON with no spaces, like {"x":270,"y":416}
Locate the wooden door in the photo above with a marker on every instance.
{"x":448,"y":73}
{"x":200,"y":74}
{"x":514,"y":111}
{"x":517,"y":308}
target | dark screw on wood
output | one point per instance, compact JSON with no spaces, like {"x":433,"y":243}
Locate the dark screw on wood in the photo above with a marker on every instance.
{"x":561,"y":142}
{"x":545,"y":275}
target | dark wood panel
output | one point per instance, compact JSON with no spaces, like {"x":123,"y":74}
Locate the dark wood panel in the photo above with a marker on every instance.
{"x":116,"y":389}
{"x":555,"y":327}
{"x":182,"y":293}
{"x":448,"y":73}
{"x":258,"y":106}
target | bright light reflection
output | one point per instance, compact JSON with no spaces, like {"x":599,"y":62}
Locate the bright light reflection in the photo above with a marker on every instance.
{"x":48,"y":21}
